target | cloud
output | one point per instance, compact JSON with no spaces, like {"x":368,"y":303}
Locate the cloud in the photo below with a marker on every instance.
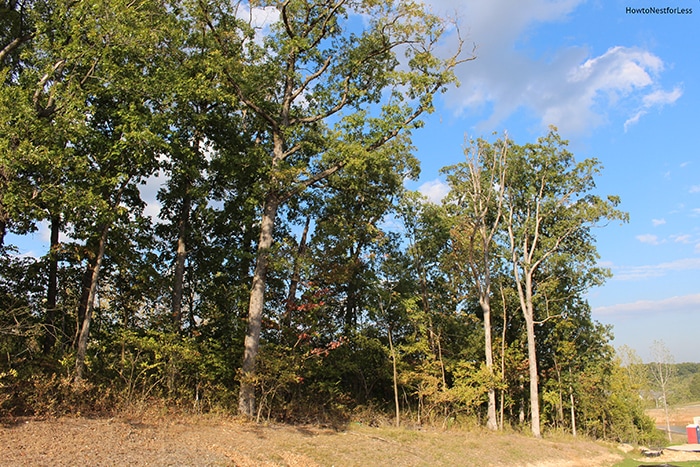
{"x":149,"y":194}
{"x":694,"y":189}
{"x":682,"y":303}
{"x":681,"y":238}
{"x":434,"y":190}
{"x":658,"y":222}
{"x":649,"y":239}
{"x":635,"y":273}
{"x":658,"y":98}
{"x":568,"y":87}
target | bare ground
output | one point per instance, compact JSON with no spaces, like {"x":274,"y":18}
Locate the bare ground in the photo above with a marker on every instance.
{"x":176,"y":440}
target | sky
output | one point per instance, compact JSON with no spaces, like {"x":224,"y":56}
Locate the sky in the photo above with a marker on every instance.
{"x":620,"y":79}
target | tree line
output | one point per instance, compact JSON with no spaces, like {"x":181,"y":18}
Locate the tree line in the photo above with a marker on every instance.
{"x":288,"y":273}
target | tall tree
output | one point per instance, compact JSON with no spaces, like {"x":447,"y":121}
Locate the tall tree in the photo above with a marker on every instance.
{"x":309,"y":71}
{"x":477,"y":195}
{"x":549,"y":214}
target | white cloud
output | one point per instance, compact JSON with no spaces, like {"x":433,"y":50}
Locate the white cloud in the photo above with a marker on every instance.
{"x":682,"y":303}
{"x":434,"y":190}
{"x":658,"y":222}
{"x":566,"y":87}
{"x":260,"y":19}
{"x":635,"y":119}
{"x":658,"y":98}
{"x":661,"y":97}
{"x":633,"y":273}
{"x":149,"y":193}
{"x":694,"y":189}
{"x":649,"y":239}
{"x":681,"y":238}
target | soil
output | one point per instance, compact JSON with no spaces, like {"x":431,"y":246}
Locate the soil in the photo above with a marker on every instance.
{"x":678,"y":416}
{"x":177,"y":440}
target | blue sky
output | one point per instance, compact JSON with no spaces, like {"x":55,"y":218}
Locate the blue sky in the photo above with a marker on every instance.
{"x":621,"y":87}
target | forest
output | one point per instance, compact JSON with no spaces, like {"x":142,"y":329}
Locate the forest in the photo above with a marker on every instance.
{"x":285,"y":272}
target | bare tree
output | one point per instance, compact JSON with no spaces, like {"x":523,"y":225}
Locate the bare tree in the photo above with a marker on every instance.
{"x":662,"y":371}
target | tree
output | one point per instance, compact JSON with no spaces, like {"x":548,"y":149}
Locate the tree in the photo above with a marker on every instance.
{"x":311,"y":71}
{"x":99,"y":78}
{"x":662,"y":370}
{"x":549,"y":214}
{"x":476,"y":195}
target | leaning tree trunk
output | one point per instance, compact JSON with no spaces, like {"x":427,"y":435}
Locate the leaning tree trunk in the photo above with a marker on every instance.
{"x":246,"y":395}
{"x":90,"y":280}
{"x":89,"y":305}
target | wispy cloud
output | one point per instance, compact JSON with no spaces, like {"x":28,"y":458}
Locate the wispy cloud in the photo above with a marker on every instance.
{"x":658,"y":222}
{"x":682,"y":304}
{"x":632,"y":273}
{"x":681,"y":238}
{"x":649,"y":239}
{"x":655,"y":99}
{"x":694,"y":189}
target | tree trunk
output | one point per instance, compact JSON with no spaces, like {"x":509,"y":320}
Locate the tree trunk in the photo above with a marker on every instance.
{"x":491,"y":422}
{"x":573,"y":411}
{"x":532,"y":363}
{"x":180,"y":258}
{"x":3,"y":225}
{"x":93,"y":271}
{"x":296,"y":276}
{"x":395,"y":377}
{"x":84,"y":296}
{"x":246,"y":395}
{"x":503,"y":355}
{"x":668,"y":422}
{"x":52,"y":287}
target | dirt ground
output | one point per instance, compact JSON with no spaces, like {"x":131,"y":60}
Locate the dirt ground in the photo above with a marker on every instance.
{"x":200,"y":441}
{"x":170,"y":440}
{"x":678,"y":416}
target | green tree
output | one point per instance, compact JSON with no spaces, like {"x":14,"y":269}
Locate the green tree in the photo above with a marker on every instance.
{"x":308,"y":72}
{"x":549,"y":213}
{"x":102,"y":65}
{"x":477,"y":189}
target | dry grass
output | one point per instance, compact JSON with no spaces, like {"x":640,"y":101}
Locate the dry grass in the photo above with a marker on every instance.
{"x":207,"y":440}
